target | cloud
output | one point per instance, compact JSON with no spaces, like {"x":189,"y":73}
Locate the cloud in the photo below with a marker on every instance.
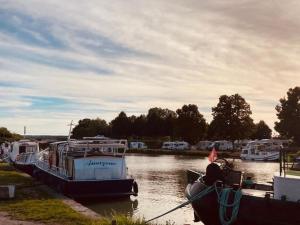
{"x":96,"y":58}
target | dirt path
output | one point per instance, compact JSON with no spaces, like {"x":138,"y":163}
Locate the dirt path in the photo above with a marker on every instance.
{"x":6,"y":220}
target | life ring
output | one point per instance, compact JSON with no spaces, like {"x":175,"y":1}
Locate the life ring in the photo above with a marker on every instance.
{"x":135,"y":188}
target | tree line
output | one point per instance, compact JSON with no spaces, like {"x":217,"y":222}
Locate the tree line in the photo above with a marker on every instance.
{"x":231,"y":121}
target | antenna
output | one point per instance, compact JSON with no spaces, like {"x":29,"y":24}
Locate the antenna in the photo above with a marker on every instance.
{"x":70,"y":130}
{"x":24,"y":132}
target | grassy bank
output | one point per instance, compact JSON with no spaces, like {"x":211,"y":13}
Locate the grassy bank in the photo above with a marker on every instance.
{"x":202,"y":153}
{"x":33,"y":203}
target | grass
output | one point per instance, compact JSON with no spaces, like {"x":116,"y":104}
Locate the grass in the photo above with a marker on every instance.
{"x":32,"y":203}
{"x":293,"y":172}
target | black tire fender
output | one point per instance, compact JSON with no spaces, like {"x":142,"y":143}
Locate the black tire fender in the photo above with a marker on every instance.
{"x":135,"y":188}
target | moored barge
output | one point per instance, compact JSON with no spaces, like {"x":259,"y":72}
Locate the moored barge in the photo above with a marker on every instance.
{"x":91,"y":168}
{"x":219,"y":197}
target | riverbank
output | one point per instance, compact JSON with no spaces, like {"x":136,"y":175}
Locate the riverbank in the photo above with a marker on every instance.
{"x":36,"y":204}
{"x":200,"y":153}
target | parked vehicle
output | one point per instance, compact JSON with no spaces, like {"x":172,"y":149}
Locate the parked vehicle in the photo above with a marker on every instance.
{"x":221,"y":145}
{"x":137,"y":145}
{"x":181,"y":145}
{"x":203,"y":145}
{"x":240,"y":144}
{"x":175,"y":145}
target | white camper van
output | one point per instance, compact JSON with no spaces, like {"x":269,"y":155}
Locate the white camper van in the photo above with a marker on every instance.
{"x":137,"y":145}
{"x":221,"y":145}
{"x":203,"y":145}
{"x":175,"y":145}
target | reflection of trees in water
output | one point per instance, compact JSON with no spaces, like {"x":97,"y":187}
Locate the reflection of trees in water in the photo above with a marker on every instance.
{"x":110,"y":207}
{"x":168,"y":182}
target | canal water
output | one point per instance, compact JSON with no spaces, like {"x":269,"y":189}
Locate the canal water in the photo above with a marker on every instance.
{"x":162,"y":182}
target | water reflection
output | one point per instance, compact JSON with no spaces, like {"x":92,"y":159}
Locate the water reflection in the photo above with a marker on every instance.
{"x":162,"y":182}
{"x":108,"y":208}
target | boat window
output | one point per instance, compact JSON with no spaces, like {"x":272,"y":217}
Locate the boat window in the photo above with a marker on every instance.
{"x":30,"y":148}
{"x":22,"y":149}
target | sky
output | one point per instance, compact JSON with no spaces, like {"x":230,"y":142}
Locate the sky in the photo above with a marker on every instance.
{"x":64,"y":60}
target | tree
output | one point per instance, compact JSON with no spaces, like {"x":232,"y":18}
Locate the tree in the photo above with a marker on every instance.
{"x":121,"y":126}
{"x":261,"y":131}
{"x":231,"y":118}
{"x":139,"y":125}
{"x":6,"y":135}
{"x":160,"y":122}
{"x":90,"y":128}
{"x":190,"y":124}
{"x":288,"y":113}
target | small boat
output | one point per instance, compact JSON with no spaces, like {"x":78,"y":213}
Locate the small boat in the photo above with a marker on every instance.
{"x":93,"y":167}
{"x":4,"y":150}
{"x":23,"y":154}
{"x":219,"y":198}
{"x":263,"y":150}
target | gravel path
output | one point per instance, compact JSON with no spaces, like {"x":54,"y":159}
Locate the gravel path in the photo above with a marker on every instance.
{"x":5,"y":219}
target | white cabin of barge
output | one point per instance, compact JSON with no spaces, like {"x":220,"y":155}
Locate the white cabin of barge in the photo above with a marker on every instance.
{"x":24,"y":151}
{"x":88,"y":159}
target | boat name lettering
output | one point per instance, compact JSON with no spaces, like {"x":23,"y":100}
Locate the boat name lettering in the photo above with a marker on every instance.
{"x":94,"y":163}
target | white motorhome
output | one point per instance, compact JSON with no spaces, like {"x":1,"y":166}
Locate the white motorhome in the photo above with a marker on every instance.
{"x":137,"y":145}
{"x":221,"y":145}
{"x":240,"y":144}
{"x":175,"y":145}
{"x":203,"y":145}
{"x":168,"y":145}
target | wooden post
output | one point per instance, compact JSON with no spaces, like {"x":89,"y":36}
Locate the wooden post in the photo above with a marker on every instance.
{"x":113,"y":222}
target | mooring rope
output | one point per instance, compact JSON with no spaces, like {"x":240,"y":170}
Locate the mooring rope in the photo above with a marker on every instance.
{"x":198,"y":196}
{"x":224,"y":205}
{"x":222,"y":196}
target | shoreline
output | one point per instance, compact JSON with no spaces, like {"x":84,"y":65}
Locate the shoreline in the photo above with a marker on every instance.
{"x":37,"y":204}
{"x":200,"y":153}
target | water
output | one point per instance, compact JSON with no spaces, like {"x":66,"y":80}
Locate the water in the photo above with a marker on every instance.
{"x":162,"y":182}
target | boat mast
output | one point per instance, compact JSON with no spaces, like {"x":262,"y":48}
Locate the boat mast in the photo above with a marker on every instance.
{"x":70,"y":130}
{"x":69,"y":136}
{"x":24,"y":135}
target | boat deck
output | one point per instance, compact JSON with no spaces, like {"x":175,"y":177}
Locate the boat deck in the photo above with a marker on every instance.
{"x":254,"y":192}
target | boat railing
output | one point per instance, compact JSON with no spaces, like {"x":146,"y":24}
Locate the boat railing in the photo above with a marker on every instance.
{"x":58,"y":171}
{"x":25,"y":157}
